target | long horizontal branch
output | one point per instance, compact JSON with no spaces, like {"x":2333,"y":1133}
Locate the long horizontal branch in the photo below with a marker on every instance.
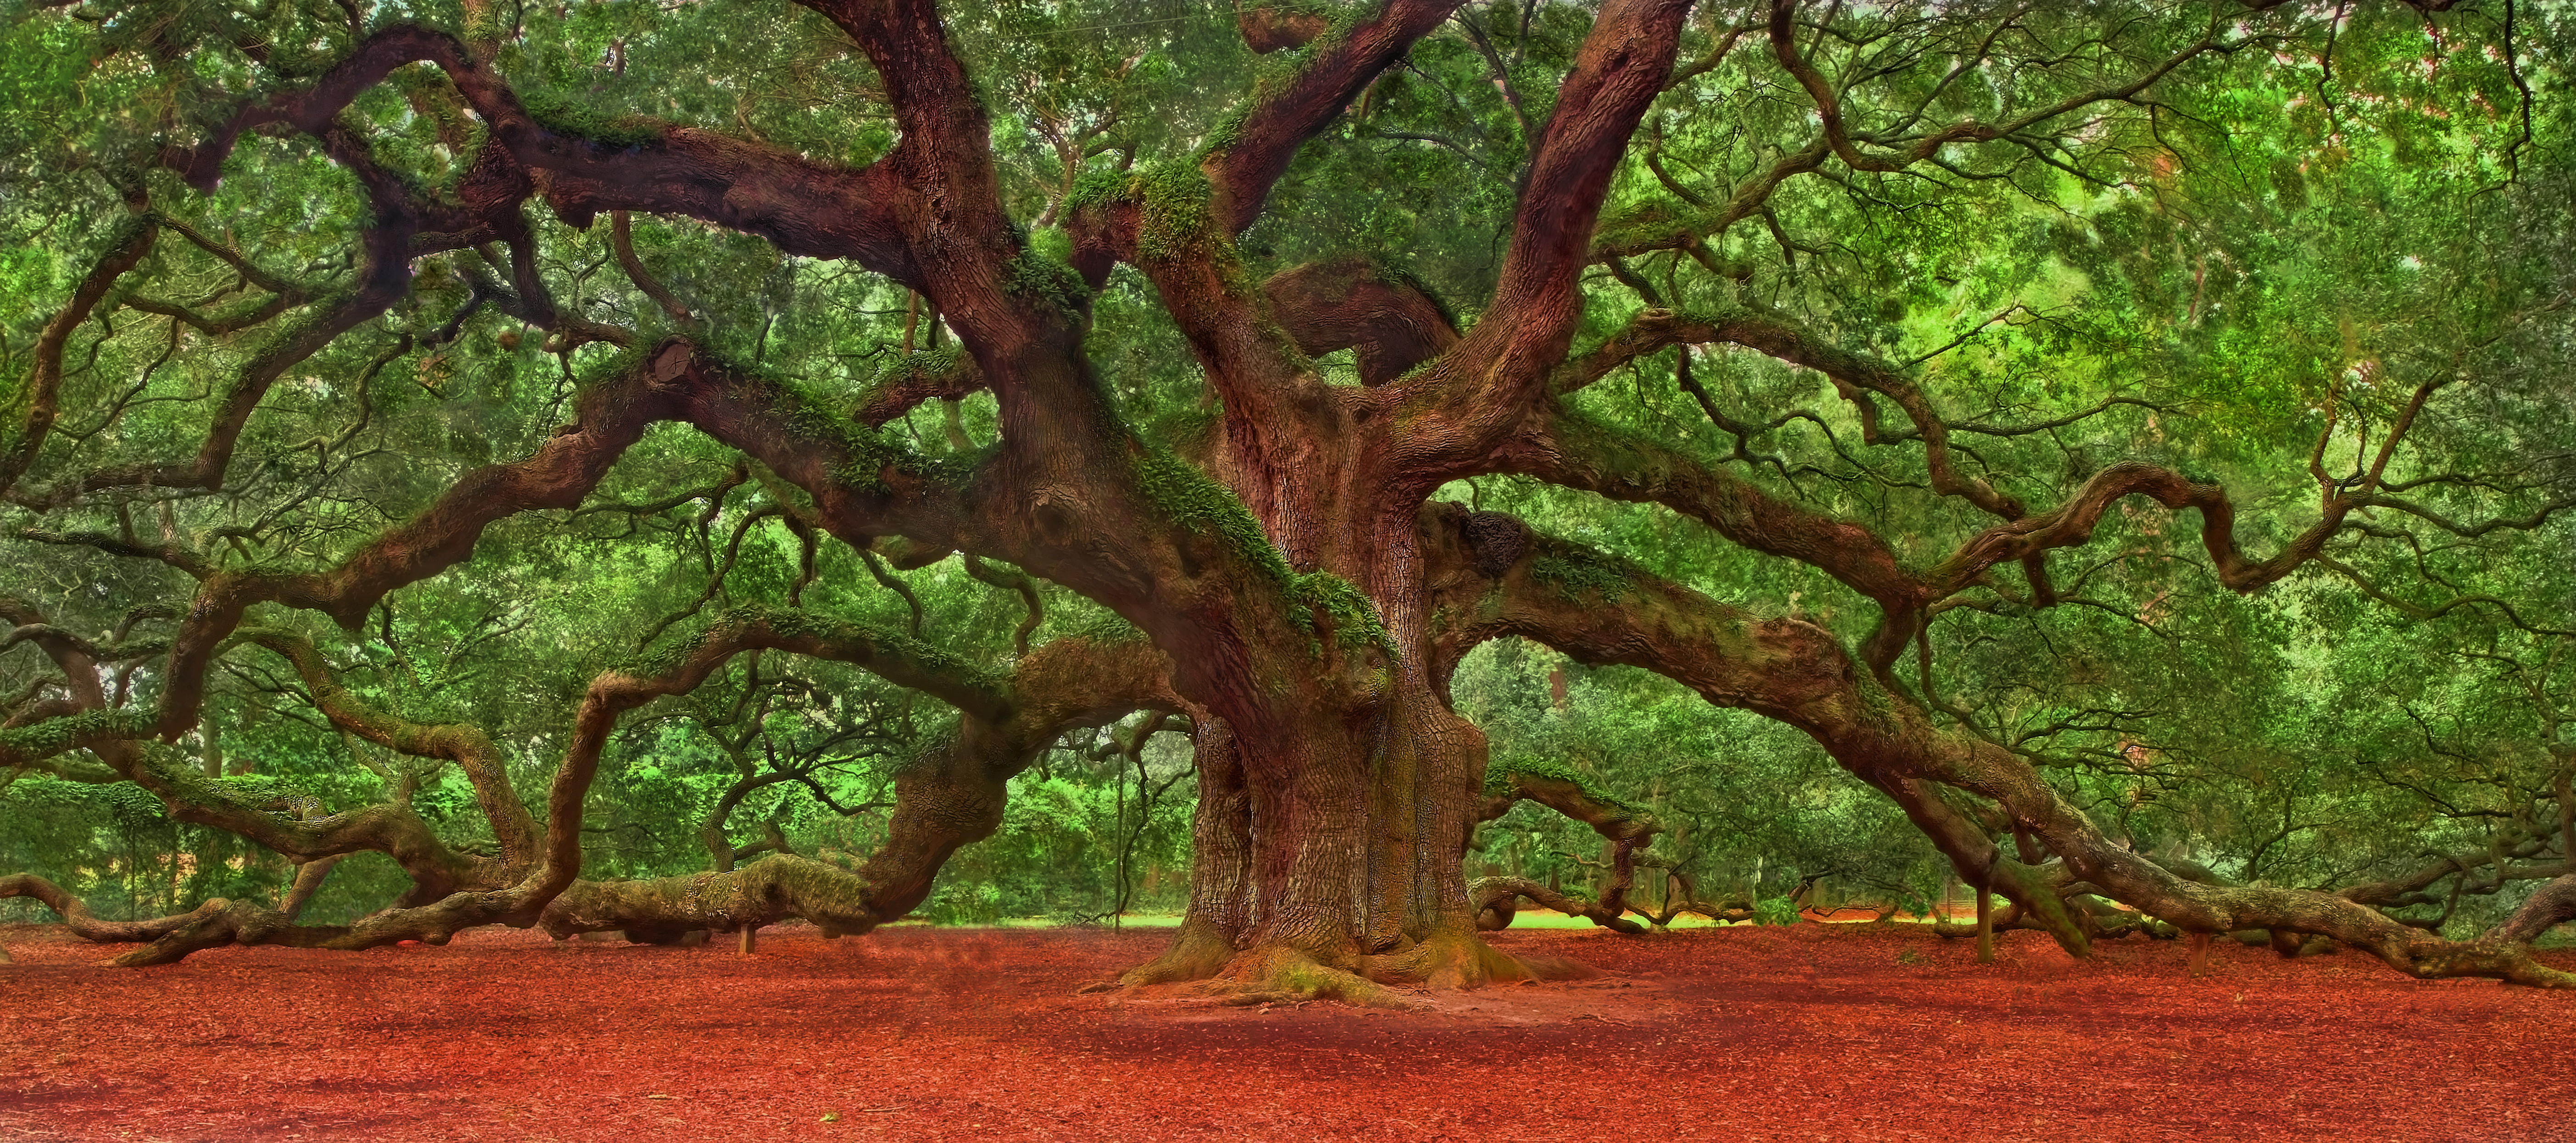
{"x":1563,"y":448}
{"x":88,"y":925}
{"x":803,"y":206}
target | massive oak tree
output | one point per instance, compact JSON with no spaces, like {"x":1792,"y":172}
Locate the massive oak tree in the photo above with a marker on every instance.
{"x":1943,"y":322}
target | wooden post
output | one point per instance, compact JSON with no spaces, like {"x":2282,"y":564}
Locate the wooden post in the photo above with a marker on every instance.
{"x":1985,"y":925}
{"x":2199,"y":953}
{"x":748,"y":939}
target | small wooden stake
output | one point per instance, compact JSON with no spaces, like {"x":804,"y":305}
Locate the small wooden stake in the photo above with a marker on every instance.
{"x":1985,"y":925}
{"x":748,"y":939}
{"x":2199,"y":954}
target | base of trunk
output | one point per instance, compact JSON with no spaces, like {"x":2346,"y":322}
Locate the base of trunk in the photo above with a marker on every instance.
{"x":1198,"y":952}
{"x":1201,"y":956}
{"x":1276,"y":974}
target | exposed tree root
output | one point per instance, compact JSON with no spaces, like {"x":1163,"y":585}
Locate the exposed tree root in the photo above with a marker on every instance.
{"x":1280,"y":974}
{"x":1199,"y":952}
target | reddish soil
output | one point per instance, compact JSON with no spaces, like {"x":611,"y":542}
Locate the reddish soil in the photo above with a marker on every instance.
{"x":1813,"y":1032}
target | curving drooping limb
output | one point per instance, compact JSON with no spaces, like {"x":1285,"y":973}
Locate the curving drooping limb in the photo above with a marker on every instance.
{"x":950,"y":793}
{"x":1393,"y":321}
{"x":1799,"y":674}
{"x":621,"y":239}
{"x":308,"y":881}
{"x":1562,"y":446}
{"x":119,"y":738}
{"x":1498,"y":899}
{"x":1627,"y":829}
{"x":2549,"y":906}
{"x":1016,"y":581}
{"x":2102,"y":920}
{"x":462,"y":743}
{"x":89,"y":926}
{"x":674,"y":381}
{"x":945,"y":797}
{"x":26,"y":438}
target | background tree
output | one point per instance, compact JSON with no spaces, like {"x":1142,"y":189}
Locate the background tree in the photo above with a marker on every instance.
{"x":1852,"y":369}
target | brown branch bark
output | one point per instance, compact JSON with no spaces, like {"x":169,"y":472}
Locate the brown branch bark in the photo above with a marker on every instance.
{"x":1272,"y":27}
{"x":1353,"y":303}
{"x":89,"y":926}
{"x":1566,"y":448}
{"x":916,"y":378}
{"x":1342,"y":62}
{"x":803,"y":206}
{"x":41,"y":399}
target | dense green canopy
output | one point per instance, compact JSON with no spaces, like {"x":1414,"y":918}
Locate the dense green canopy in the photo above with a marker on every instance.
{"x":2169,"y":398}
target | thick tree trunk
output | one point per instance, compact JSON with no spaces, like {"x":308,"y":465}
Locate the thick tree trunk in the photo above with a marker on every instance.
{"x":1310,"y":801}
{"x":1220,"y":906}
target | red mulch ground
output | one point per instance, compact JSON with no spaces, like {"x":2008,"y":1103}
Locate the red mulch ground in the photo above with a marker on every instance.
{"x":1814,"y":1032}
